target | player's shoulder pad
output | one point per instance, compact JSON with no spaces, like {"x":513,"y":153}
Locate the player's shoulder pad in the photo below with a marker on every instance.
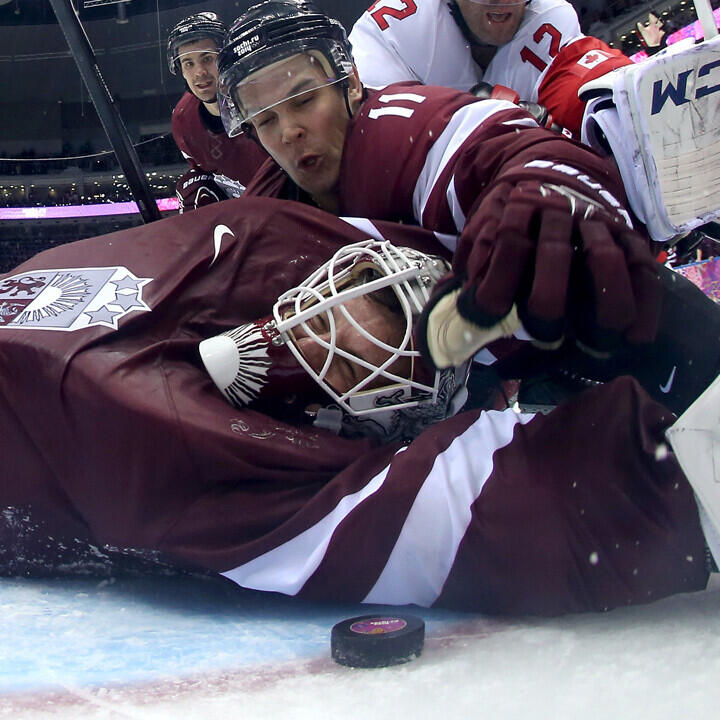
{"x":185,"y":104}
{"x":556,"y":12}
{"x":411,"y":98}
{"x":385,"y":17}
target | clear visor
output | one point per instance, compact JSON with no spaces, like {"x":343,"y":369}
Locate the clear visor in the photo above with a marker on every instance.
{"x":279,"y":82}
{"x":181,"y":55}
{"x":315,"y":309}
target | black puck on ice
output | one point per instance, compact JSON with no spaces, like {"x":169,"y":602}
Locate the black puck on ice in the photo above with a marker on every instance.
{"x":374,"y":641}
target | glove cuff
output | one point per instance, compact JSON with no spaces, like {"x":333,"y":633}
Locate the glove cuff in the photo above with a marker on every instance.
{"x":447,"y":339}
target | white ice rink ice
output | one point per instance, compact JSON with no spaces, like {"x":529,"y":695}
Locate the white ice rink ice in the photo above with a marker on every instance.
{"x":183,"y":648}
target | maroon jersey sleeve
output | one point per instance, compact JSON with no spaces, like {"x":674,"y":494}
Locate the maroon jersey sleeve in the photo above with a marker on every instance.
{"x":441,"y":152}
{"x":206,"y":150}
{"x":576,"y":64}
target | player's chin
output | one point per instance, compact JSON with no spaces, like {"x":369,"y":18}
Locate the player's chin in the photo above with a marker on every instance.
{"x":319,"y":180}
{"x":503,"y":32}
{"x":206,"y":94}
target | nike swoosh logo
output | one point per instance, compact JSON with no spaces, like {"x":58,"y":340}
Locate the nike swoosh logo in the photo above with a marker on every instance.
{"x":666,"y":387}
{"x":220,"y":232}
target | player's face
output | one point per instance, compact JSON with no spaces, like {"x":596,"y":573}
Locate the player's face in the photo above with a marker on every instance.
{"x":304,"y":133}
{"x":493,"y":23}
{"x":198,"y":62}
{"x":375,"y":318}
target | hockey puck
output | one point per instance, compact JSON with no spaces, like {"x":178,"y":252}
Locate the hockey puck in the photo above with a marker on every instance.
{"x":374,"y":641}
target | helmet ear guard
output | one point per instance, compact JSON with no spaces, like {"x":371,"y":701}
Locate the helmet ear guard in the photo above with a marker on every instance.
{"x":381,"y":400}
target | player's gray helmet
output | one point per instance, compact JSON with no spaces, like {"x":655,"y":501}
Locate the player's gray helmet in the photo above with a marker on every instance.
{"x":268,"y":33}
{"x":192,"y":28}
{"x":393,"y":398}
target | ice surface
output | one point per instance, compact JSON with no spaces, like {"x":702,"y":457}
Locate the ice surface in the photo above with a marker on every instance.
{"x":178,"y":647}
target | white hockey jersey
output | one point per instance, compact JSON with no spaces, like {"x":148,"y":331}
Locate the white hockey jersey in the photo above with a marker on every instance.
{"x":396,"y":40}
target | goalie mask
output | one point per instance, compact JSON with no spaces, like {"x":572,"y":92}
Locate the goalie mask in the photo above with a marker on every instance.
{"x":348,"y":331}
{"x":255,"y":68}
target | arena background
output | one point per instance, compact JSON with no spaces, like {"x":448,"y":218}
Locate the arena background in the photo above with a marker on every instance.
{"x":53,"y":150}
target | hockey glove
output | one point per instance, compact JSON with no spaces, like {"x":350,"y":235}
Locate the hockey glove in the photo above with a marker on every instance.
{"x":196,"y":189}
{"x":564,"y":261}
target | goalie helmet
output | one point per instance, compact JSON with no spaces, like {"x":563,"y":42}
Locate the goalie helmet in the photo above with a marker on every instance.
{"x":369,"y":368}
{"x":272,"y":32}
{"x":192,"y":28}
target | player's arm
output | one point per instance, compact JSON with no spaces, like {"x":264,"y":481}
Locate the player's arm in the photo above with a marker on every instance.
{"x":546,"y":241}
{"x":178,"y":133}
{"x":576,"y":64}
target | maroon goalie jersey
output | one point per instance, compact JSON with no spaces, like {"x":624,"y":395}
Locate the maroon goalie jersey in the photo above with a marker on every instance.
{"x":231,"y":161}
{"x":116,"y":443}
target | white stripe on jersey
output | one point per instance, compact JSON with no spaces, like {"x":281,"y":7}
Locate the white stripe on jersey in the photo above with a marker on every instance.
{"x":425,"y":551}
{"x":524,"y":122}
{"x":448,"y":240}
{"x":454,"y":205}
{"x":286,"y":568}
{"x":463,"y":123}
{"x":366,"y":226}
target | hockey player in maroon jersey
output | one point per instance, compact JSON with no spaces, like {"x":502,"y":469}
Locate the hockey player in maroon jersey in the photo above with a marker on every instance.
{"x":219,"y":167}
{"x":117,"y":443}
{"x":542,"y":222}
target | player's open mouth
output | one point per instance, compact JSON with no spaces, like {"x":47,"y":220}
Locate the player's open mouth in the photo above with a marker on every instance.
{"x":309,"y":161}
{"x":498,"y":17}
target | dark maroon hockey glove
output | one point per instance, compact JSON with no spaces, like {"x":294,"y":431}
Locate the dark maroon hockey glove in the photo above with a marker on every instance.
{"x":569,"y":262}
{"x":195,"y":189}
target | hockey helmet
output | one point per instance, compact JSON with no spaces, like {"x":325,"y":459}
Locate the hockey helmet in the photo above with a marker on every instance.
{"x":192,"y":28}
{"x":370,"y":369}
{"x":268,"y":34}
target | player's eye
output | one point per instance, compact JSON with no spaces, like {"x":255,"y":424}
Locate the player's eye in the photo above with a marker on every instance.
{"x":304,"y":99}
{"x":318,"y":323}
{"x":263,"y":120}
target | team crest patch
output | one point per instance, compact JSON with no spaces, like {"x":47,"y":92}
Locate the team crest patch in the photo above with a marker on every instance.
{"x":70,"y":299}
